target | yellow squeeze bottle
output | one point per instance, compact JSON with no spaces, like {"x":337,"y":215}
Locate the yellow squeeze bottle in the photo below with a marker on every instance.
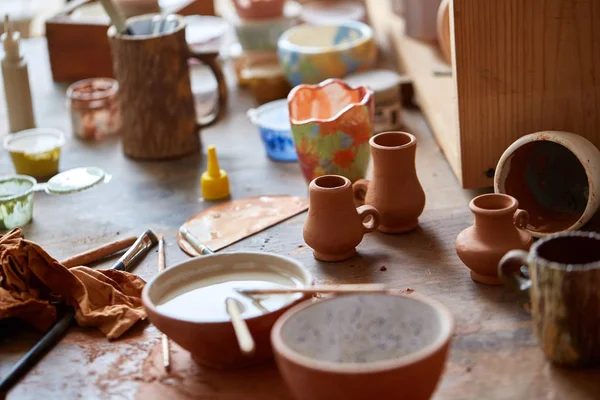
{"x":214,"y":181}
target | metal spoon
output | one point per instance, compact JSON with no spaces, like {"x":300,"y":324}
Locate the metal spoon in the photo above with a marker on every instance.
{"x":235,"y":309}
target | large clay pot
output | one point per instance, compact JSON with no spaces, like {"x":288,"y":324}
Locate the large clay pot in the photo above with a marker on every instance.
{"x":334,"y":227}
{"x":555,"y":176}
{"x":498,"y":228}
{"x":395,"y":190}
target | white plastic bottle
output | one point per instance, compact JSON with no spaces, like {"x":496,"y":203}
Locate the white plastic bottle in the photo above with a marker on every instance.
{"x":16,"y":82}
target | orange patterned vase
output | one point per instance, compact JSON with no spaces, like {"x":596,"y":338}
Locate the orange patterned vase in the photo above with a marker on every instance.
{"x":332,"y":124}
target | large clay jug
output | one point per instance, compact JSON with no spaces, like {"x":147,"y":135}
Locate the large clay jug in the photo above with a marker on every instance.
{"x":334,"y":226}
{"x":395,"y":190}
{"x":499,"y":227}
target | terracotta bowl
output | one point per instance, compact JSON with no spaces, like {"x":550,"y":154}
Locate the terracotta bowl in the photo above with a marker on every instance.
{"x":313,"y":53}
{"x":259,"y":9}
{"x":371,"y":346}
{"x":555,"y":176}
{"x":209,"y":337}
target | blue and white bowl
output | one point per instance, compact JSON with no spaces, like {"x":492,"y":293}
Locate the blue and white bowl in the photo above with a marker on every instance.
{"x":273,"y":122}
{"x":313,"y":53}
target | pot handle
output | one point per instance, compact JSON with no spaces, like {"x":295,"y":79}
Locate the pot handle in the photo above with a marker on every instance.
{"x":360,"y":188}
{"x":364,"y":212}
{"x":509,"y":269}
{"x":210,"y":59}
{"x":521,"y":219}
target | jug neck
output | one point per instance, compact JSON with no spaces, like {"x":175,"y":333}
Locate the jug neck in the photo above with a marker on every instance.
{"x":494,"y":211}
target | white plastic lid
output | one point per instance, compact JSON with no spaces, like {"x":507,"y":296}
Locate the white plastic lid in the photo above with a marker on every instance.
{"x":34,"y":141}
{"x":327,"y":13}
{"x":378,"y":80}
{"x":274,"y":115}
{"x":204,"y":28}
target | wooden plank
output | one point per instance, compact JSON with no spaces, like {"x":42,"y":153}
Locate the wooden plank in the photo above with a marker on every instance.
{"x":436,"y":95}
{"x":523,"y":67}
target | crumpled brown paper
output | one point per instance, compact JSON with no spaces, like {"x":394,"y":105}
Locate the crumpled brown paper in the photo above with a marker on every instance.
{"x":30,"y":279}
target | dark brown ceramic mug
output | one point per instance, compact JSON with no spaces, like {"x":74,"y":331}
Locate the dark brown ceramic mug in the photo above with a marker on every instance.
{"x":157,"y":105}
{"x":564,"y":287}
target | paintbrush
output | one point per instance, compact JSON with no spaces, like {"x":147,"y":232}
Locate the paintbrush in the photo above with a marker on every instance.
{"x":141,"y":246}
{"x":324,"y":289}
{"x":165,"y":340}
{"x":116,"y":18}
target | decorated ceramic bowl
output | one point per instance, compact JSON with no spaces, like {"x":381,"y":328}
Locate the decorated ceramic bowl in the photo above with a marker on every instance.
{"x":263,"y":34}
{"x":313,"y":53}
{"x":331,"y":125}
{"x":367,"y":346}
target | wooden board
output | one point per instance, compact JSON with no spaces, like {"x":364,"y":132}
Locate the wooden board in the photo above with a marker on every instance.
{"x":494,"y":355}
{"x":436,"y":95}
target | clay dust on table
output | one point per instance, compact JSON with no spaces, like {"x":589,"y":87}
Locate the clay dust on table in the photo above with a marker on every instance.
{"x":187,"y":379}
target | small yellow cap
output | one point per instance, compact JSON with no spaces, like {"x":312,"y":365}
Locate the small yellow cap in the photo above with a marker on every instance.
{"x":214,"y":181}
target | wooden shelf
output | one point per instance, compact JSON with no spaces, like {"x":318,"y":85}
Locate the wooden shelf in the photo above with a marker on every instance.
{"x":435,"y":94}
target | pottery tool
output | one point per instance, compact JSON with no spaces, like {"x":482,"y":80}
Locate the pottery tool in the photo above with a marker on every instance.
{"x":193,"y":241}
{"x":325,"y":289}
{"x":229,"y":222}
{"x":139,"y":248}
{"x":170,"y":23}
{"x":244,"y":338}
{"x":116,"y":17}
{"x":165,"y":340}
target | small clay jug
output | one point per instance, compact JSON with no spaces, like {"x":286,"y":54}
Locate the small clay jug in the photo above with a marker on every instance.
{"x":334,"y":226}
{"x":395,"y":190}
{"x":499,"y":227}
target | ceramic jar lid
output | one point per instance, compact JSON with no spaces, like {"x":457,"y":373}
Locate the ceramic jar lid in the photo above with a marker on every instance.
{"x":75,"y":180}
{"x":384,"y":84}
{"x":274,"y":115}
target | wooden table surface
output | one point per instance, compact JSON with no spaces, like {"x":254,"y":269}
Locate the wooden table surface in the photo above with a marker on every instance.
{"x":494,"y":354}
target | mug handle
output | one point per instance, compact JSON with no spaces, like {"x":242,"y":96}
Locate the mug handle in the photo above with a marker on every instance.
{"x":521,"y":219}
{"x":210,"y":59}
{"x":510,"y":274}
{"x":360,"y":188}
{"x":364,"y":212}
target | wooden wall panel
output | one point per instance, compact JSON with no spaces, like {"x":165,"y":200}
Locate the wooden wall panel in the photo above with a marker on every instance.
{"x":523,"y":66}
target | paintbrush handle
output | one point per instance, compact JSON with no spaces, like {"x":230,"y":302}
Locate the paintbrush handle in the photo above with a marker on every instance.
{"x":343,"y":289}
{"x":115,"y":17}
{"x":242,"y":332}
{"x":98,"y":253}
{"x":48,"y":341}
{"x":30,"y":359}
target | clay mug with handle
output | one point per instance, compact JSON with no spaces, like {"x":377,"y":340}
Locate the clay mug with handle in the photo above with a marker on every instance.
{"x":563,"y":280}
{"x":334,"y":226}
